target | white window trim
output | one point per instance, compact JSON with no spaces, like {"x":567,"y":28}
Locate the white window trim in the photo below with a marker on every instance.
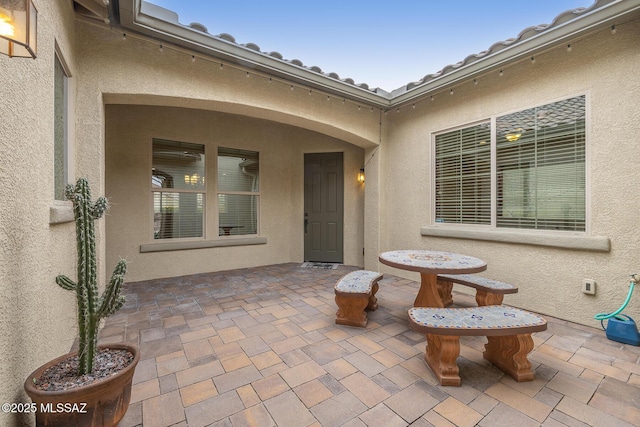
{"x":563,"y":239}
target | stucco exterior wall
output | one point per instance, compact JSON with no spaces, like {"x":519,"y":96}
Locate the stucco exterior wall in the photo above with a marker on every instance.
{"x":281,"y":148}
{"x":37,"y":318}
{"x":135,"y":71}
{"x":603,"y":66}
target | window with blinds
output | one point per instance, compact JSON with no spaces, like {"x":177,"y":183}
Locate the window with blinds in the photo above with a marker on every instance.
{"x":538,"y":175}
{"x":463,"y":175}
{"x":540,"y":167}
{"x":238,"y":191}
{"x":178,"y":186}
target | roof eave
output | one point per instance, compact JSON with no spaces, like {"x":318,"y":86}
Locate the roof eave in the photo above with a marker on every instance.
{"x":133,"y":19}
{"x":568,"y":31}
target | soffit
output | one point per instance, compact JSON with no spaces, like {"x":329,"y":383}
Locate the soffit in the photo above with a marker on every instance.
{"x":97,"y":10}
{"x":163,"y":25}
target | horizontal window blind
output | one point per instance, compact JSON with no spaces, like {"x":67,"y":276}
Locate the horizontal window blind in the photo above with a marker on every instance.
{"x":238,"y":214}
{"x":540,"y":161}
{"x":238,"y":191}
{"x":463,"y":175}
{"x":177,"y":215}
{"x":178,"y":185}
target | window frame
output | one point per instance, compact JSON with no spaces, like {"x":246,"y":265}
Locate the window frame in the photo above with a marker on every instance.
{"x":211,"y":237}
{"x":154,"y":190}
{"x":257,"y":194}
{"x":493,"y":227}
{"x":67,"y":127}
{"x":61,"y":209}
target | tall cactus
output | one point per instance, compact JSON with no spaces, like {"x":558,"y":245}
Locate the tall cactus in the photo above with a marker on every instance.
{"x":91,"y":308}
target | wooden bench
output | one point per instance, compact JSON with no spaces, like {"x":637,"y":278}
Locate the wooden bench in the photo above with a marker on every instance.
{"x":508,"y":331}
{"x":488,"y":291}
{"x":356,"y":292}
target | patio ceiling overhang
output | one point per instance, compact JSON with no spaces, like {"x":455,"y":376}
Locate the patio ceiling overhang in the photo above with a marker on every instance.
{"x":161,"y":25}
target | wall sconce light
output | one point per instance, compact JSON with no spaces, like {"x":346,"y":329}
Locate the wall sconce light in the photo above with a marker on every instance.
{"x":18,"y":25}
{"x":361,"y":176}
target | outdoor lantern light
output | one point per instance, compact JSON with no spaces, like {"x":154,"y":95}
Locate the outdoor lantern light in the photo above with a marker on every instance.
{"x":361,"y":176}
{"x":18,"y":28}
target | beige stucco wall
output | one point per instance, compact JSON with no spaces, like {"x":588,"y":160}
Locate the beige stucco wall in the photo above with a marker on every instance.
{"x":135,"y":72}
{"x":605,"y":68}
{"x":37,"y":318}
{"x":130,"y":130}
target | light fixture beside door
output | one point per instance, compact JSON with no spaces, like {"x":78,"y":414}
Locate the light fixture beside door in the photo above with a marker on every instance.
{"x":18,"y":28}
{"x":361,"y":176}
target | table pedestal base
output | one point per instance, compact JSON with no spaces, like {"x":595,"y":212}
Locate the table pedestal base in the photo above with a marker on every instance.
{"x":428,"y":294}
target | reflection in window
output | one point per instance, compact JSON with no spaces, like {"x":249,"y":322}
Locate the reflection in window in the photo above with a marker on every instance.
{"x":178,"y":186}
{"x":538,"y":177}
{"x":540,"y":156}
{"x":238,"y":191}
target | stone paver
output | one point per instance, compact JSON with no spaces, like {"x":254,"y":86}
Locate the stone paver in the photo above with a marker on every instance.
{"x":163,"y":410}
{"x":288,"y":411}
{"x":260,"y":347}
{"x":411,"y":403}
{"x":458,"y":413}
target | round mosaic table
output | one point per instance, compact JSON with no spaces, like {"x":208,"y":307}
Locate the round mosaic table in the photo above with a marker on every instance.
{"x":429,"y":264}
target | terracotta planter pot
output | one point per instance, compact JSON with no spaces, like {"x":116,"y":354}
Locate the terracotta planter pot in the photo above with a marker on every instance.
{"x":107,"y":400}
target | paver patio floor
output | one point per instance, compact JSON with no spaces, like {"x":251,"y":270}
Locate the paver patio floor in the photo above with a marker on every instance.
{"x":259,"y":347}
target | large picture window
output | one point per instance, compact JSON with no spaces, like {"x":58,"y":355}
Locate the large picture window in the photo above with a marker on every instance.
{"x":238,"y":191}
{"x":178,"y":187}
{"x":537,"y":180}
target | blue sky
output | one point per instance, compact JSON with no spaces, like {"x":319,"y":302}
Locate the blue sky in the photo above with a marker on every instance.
{"x":385,"y":44}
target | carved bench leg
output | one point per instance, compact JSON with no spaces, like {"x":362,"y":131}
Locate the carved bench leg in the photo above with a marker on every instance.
{"x":373,"y":301}
{"x":444,"y":291}
{"x":351,"y":309}
{"x":488,"y":298}
{"x":441,"y":354}
{"x":509,"y":353}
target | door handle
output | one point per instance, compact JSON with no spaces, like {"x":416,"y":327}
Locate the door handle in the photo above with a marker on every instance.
{"x":306,"y":222}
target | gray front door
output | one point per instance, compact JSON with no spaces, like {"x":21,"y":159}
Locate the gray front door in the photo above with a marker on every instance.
{"x":323,"y":207}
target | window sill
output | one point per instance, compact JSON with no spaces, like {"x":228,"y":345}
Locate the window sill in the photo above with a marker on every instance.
{"x":60,"y":212}
{"x":585,"y":243}
{"x":201,"y":244}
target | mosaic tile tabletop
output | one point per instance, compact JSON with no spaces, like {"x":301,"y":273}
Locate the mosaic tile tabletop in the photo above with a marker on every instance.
{"x":432,"y":260}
